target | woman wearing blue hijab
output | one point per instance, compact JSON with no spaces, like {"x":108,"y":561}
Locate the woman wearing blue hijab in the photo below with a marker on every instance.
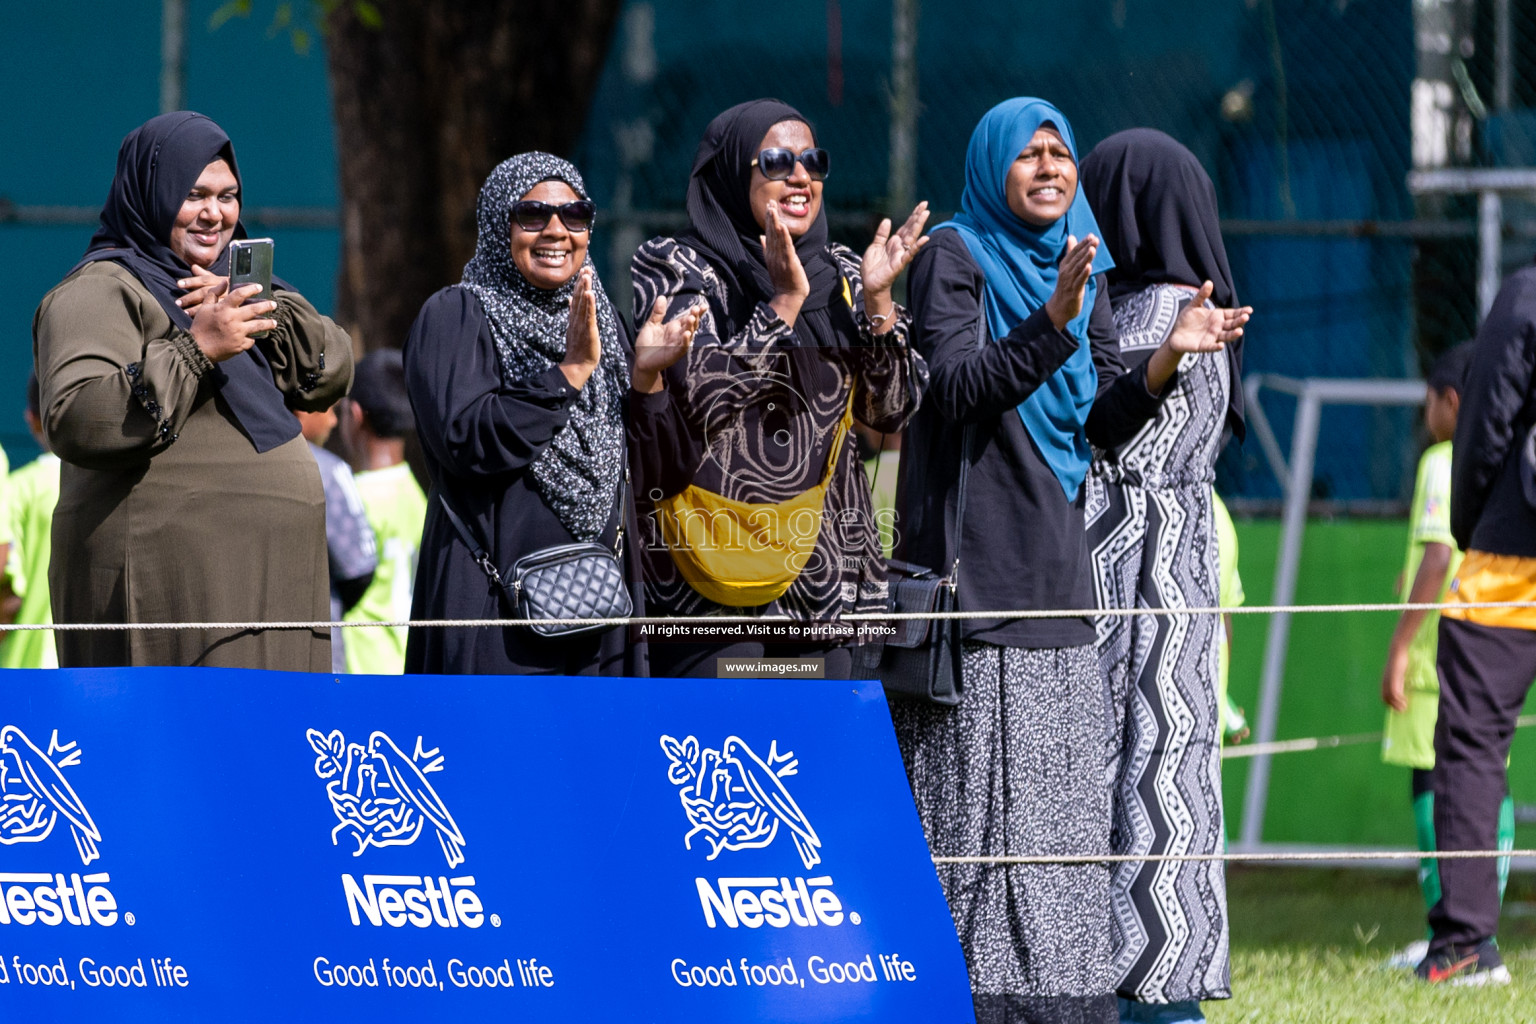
{"x":1026,"y":374}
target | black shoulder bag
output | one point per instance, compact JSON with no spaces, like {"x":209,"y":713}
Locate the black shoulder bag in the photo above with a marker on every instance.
{"x":922,"y":661}
{"x":567,"y":581}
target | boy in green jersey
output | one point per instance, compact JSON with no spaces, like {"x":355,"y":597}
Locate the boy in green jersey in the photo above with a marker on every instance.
{"x":31,"y":493}
{"x":1409,"y":685}
{"x":377,"y":418}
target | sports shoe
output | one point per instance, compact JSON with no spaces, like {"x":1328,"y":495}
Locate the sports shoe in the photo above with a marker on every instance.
{"x":1407,"y":958}
{"x":1461,"y":965}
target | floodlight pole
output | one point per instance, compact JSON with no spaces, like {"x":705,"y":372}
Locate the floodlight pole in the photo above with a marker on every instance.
{"x":1311,"y":395}
{"x":902,"y":182}
{"x":173,"y":55}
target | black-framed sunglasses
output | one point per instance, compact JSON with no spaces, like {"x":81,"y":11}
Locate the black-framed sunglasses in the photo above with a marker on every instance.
{"x":532,"y":215}
{"x":778,"y":164}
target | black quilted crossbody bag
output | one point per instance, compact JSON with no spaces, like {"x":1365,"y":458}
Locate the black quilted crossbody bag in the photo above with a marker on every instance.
{"x":566,"y":581}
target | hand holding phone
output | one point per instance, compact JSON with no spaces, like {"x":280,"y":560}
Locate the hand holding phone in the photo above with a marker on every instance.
{"x":250,"y":262}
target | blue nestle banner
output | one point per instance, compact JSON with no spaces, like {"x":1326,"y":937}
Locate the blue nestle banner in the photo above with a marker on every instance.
{"x":186,"y":844}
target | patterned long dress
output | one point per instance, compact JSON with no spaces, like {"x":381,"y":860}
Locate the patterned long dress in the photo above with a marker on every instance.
{"x":768,"y":407}
{"x":1152,"y":536}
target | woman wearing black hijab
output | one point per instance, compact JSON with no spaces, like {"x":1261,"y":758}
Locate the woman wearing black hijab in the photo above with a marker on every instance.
{"x":1152,"y":532}
{"x":186,"y":493}
{"x":800,"y":338}
{"x":520,"y":379}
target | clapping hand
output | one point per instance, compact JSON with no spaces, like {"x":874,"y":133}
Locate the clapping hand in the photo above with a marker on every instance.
{"x":889,"y":254}
{"x":1072,"y":274}
{"x":1199,"y":329}
{"x":660,"y":344}
{"x":790,"y":285}
{"x":583,"y":343}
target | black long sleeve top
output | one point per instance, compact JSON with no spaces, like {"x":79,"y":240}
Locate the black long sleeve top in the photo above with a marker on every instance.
{"x":1498,"y":407}
{"x":480,"y":434}
{"x":1022,"y":544}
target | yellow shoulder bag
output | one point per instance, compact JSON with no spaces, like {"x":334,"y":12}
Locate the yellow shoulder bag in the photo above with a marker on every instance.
{"x":742,"y":553}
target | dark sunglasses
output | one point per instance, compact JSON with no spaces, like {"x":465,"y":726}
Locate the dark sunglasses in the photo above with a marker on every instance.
{"x":778,"y":164}
{"x":532,"y":215}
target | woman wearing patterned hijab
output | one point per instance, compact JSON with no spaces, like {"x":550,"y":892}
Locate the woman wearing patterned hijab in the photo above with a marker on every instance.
{"x":186,"y":493}
{"x":519,"y":377}
{"x":800,"y":336}
{"x":1152,"y":536}
{"x":1016,"y":326}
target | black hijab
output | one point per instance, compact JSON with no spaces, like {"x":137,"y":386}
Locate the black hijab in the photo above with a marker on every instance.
{"x":157,"y":165}
{"x":723,"y":230}
{"x":1157,"y":209}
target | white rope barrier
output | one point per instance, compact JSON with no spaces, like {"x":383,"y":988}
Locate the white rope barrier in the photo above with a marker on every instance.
{"x":706,"y":621}
{"x":1279,"y":856}
{"x":728,"y":620}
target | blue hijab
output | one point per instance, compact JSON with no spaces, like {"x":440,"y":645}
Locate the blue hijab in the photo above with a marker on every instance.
{"x":1019,"y":262}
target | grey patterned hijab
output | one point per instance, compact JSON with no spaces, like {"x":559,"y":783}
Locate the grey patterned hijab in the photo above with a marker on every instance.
{"x":578,"y":474}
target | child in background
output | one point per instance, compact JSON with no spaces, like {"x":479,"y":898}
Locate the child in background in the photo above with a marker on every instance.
{"x":881,"y":455}
{"x":348,"y":538}
{"x":1409,"y":685}
{"x":32,"y":491}
{"x":1234,"y":727}
{"x":377,"y":418}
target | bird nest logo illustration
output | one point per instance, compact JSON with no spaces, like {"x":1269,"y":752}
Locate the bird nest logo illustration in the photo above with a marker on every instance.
{"x":381,"y":796}
{"x":34,"y":793}
{"x":735,"y":799}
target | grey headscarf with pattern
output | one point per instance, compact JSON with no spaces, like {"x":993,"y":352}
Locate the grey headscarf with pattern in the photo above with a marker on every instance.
{"x":578,"y":474}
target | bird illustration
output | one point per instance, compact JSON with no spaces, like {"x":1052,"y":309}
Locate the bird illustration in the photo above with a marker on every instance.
{"x":50,"y":796}
{"x":766,"y":787}
{"x":408,"y":780}
{"x":735,"y":798}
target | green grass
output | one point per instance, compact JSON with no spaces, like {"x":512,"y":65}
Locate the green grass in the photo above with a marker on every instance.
{"x":1333,"y":685}
{"x":1308,"y":944}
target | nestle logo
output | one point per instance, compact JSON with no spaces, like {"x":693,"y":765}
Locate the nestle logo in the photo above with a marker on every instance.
{"x":423,"y":901}
{"x":41,"y":898}
{"x":776,"y":902}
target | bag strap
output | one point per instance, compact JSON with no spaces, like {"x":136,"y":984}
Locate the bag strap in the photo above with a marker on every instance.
{"x":967,"y":442}
{"x":838,"y":439}
{"x":952,"y":578}
{"x":488,"y":564}
{"x":476,"y":549}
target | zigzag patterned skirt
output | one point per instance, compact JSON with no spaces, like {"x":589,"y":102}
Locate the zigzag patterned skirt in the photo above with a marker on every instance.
{"x":1156,"y":548}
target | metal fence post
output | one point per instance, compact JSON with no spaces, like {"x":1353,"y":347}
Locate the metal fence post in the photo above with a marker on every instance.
{"x":1297,"y":490}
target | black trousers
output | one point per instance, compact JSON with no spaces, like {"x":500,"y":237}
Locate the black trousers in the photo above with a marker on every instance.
{"x":1485,"y":672}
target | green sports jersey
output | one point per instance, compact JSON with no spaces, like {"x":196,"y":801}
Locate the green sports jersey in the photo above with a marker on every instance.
{"x":32,"y":492}
{"x":881,"y":472}
{"x":1230,"y":595}
{"x":7,"y":532}
{"x":396,"y":509}
{"x":1410,"y":735}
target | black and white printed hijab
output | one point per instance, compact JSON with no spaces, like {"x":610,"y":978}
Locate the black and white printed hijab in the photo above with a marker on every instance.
{"x":578,"y":474}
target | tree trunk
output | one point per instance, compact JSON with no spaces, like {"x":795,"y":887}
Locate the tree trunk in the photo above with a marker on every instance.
{"x":426,"y":105}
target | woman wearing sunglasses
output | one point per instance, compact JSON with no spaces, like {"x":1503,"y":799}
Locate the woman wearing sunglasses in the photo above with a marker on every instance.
{"x":1021,"y":342}
{"x":520,"y":377}
{"x":800,"y":338}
